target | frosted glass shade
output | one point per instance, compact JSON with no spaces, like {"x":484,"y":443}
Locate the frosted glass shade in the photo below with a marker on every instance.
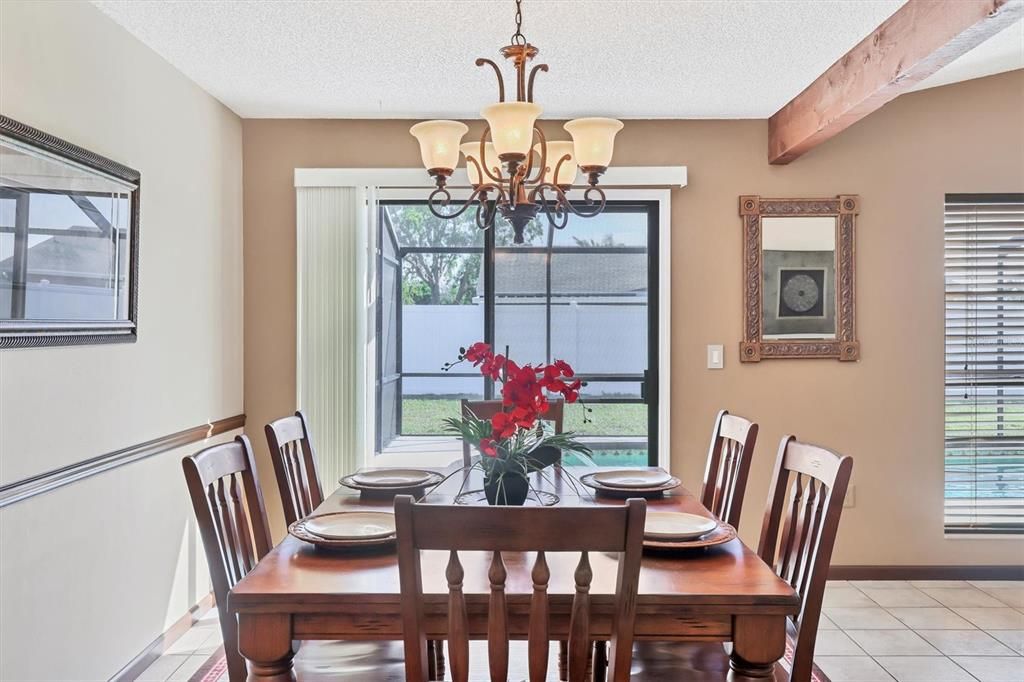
{"x":490,"y":160}
{"x":512,"y":126}
{"x":439,"y":142}
{"x":594,"y":140}
{"x":567,"y":172}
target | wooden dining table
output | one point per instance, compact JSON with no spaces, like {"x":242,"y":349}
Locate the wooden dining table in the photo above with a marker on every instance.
{"x":298,"y":592}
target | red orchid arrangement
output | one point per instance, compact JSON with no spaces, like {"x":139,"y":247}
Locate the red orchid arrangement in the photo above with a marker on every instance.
{"x":511,"y":436}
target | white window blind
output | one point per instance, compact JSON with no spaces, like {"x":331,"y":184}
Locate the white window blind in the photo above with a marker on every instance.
{"x":984,"y":453}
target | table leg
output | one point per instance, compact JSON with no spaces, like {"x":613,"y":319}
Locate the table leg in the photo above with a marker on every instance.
{"x":265,"y":639}
{"x":600,"y":661}
{"x":758,"y":642}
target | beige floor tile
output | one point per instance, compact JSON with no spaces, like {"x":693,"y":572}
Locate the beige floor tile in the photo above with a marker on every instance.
{"x":1002,"y":618}
{"x":985,"y":584}
{"x":921,"y":584}
{"x":190,"y":640}
{"x":896,"y":597}
{"x":993,"y":668}
{"x":965,"y":643}
{"x":924,"y":669}
{"x":825,"y":623}
{"x":188,"y":668}
{"x":836,"y":643}
{"x":1011,"y":638}
{"x":852,"y":669}
{"x":930,"y":618}
{"x":961,"y":596}
{"x":863,"y":618}
{"x":880,"y":584}
{"x":1011,"y":596}
{"x":846,"y":596}
{"x":837,"y":583}
{"x":162,"y":668}
{"x":892,"y":643}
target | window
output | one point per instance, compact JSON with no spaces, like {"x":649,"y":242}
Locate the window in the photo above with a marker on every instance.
{"x":984,"y":453}
{"x":584,"y":294}
{"x":68,"y":239}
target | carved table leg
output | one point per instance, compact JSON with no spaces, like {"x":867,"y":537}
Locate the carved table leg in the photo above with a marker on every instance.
{"x":758,"y":642}
{"x":265,"y":639}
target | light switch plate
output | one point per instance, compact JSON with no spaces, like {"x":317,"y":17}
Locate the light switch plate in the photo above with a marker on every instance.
{"x":716,"y":356}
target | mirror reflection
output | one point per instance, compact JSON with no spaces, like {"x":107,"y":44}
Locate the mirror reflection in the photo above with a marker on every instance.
{"x":798,"y":269}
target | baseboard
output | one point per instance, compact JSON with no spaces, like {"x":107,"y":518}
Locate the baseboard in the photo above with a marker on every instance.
{"x":162,"y":643}
{"x":1008,"y":572}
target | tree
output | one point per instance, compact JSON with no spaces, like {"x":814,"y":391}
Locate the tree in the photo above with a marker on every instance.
{"x":438,"y":278}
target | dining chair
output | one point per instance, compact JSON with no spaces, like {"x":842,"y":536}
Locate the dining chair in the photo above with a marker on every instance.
{"x":799,"y":531}
{"x":291,"y":451}
{"x":485,"y":409}
{"x":232,"y":520}
{"x":725,"y":476}
{"x":617,"y":528}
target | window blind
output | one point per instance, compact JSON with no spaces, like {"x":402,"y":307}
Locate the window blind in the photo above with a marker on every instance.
{"x":984,"y":414}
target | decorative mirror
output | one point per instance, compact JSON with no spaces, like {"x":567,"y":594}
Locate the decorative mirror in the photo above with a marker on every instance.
{"x":69,"y":242}
{"x":798,"y":278}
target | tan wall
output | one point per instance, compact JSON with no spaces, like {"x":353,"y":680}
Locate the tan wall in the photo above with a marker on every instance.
{"x":93,"y":572}
{"x":886,"y":411}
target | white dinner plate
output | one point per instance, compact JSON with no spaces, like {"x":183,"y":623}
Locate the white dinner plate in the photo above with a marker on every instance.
{"x":632,"y":478}
{"x":391,"y":478}
{"x":352,"y":525}
{"x":677,"y":526}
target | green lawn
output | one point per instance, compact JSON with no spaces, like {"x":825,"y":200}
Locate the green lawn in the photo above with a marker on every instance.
{"x":423,"y":416}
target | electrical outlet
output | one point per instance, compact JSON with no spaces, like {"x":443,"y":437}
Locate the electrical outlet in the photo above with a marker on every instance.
{"x":851,"y":498}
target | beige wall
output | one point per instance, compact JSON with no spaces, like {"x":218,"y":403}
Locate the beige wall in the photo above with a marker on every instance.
{"x":886,"y":411}
{"x":91,"y":573}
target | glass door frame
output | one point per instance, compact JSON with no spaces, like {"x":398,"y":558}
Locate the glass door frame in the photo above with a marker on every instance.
{"x":657,"y":204}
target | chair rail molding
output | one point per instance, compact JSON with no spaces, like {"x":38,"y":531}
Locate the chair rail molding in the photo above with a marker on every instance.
{"x":25,"y":488}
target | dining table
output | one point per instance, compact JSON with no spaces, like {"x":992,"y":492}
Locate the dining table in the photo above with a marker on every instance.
{"x":299,"y":592}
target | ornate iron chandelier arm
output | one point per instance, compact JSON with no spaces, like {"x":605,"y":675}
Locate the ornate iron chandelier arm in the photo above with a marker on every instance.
{"x":485,"y":212}
{"x":493,"y":174}
{"x":497,"y":72}
{"x":554,"y":210}
{"x":441,"y":198}
{"x":527,"y":180}
{"x":593,"y":206}
{"x":533,"y":74}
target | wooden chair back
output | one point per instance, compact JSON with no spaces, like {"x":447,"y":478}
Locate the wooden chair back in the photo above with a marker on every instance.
{"x":291,"y":450}
{"x":485,"y":409}
{"x":799,"y":532}
{"x":728,"y":465}
{"x":233,"y":524}
{"x":618,"y":528}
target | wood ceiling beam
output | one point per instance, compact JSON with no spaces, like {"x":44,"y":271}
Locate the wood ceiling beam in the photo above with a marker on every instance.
{"x":915,"y":42}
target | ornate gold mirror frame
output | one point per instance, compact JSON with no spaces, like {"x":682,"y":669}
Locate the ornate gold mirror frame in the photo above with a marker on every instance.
{"x":843,"y":345}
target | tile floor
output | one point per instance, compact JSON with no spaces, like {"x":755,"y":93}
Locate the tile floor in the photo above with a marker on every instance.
{"x":871,"y":631}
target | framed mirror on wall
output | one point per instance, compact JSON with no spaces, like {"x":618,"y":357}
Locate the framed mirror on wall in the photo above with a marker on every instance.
{"x":798,"y":278}
{"x":69,"y":243}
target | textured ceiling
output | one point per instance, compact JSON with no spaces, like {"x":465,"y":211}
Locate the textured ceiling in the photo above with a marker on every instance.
{"x":414,"y":59}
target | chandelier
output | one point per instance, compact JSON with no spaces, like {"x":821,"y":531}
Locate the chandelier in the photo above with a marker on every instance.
{"x":524,"y":176}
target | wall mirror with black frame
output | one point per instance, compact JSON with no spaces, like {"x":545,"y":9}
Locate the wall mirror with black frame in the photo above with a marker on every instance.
{"x":69,"y":238}
{"x":798,"y":278}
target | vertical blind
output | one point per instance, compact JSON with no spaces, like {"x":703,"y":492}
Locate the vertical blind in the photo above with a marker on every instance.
{"x":984,"y":424}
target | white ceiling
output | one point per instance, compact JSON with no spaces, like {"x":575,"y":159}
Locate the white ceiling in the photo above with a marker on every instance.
{"x":415,"y":59}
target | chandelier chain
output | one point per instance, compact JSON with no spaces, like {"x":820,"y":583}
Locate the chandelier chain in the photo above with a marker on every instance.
{"x":518,"y":38}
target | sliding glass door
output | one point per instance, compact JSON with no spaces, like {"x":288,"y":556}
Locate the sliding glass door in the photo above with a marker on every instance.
{"x":586,"y":294}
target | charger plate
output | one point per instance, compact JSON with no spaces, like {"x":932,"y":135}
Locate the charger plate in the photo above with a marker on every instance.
{"x":299,"y":529}
{"x":677,"y":526}
{"x":608,"y":491}
{"x":632,"y":478}
{"x":719,"y":536}
{"x":377,"y":490}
